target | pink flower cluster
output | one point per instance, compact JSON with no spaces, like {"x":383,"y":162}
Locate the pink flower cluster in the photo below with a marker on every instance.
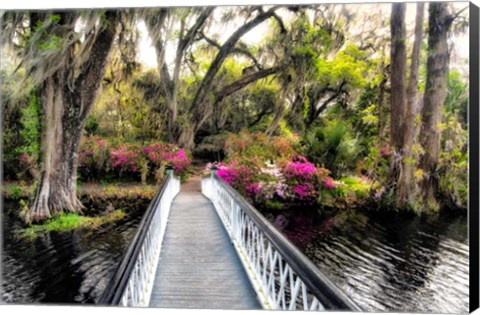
{"x":124,"y":158}
{"x":300,"y":168}
{"x":254,"y":188}
{"x":157,"y":153}
{"x":154,"y":152}
{"x":97,"y":157}
{"x":329,"y":183}
{"x":101,"y":143}
{"x":178,"y":159}
{"x":229,"y":175}
{"x":295,"y":182}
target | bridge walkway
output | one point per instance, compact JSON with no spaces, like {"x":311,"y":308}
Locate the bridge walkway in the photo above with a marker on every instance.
{"x":198,"y":266}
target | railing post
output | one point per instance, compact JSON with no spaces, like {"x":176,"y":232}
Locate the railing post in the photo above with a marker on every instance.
{"x":169,"y":170}
{"x":213,"y":171}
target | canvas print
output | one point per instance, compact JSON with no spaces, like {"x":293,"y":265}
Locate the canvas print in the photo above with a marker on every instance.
{"x":287,"y":157}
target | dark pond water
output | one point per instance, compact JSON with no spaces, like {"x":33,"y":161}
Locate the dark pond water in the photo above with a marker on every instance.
{"x":383,"y":262}
{"x":389,"y":262}
{"x":71,"y":267}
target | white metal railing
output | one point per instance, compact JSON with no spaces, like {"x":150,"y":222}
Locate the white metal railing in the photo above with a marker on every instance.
{"x":280,"y":274}
{"x":133,"y":282}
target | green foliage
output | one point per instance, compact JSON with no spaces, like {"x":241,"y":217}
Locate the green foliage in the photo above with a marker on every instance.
{"x":457,"y":97}
{"x":50,"y":42}
{"x":348,"y":65}
{"x":257,"y":146}
{"x":275,"y":205}
{"x":91,"y":125}
{"x":16,"y":192}
{"x":360,"y":186}
{"x":334,"y":146}
{"x":30,"y":120}
{"x":453,"y":163}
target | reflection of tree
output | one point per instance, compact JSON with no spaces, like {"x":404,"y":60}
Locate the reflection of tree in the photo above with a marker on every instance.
{"x":417,"y":241}
{"x":64,"y":267}
{"x":384,"y":261}
{"x":108,"y":245}
{"x":417,"y":244}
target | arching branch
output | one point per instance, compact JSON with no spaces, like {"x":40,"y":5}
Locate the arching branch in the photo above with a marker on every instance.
{"x":283,"y":29}
{"x":224,"y":51}
{"x":235,"y":50}
{"x":244,"y":81}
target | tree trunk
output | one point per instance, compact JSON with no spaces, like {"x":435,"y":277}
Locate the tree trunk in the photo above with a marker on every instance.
{"x":56,"y":191}
{"x":398,"y":70}
{"x":435,"y":92}
{"x":66,"y":105}
{"x":279,"y":110}
{"x":405,"y":188}
{"x":202,"y":104}
{"x":398,"y":90}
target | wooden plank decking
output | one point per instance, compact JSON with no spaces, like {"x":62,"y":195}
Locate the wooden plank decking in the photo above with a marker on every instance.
{"x":198,"y":266}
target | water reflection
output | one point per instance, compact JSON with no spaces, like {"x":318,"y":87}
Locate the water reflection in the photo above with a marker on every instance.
{"x":388,"y":262}
{"x":71,"y":267}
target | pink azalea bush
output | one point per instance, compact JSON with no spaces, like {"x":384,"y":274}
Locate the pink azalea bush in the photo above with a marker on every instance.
{"x":98,"y":158}
{"x":93,"y":157}
{"x":124,"y":158}
{"x":301,"y":180}
{"x":293,"y":183}
{"x":159,"y":154}
{"x":178,"y":159}
{"x":273,"y":174}
{"x":289,"y":182}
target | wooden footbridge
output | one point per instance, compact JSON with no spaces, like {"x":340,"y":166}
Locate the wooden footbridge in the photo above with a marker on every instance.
{"x":208,"y":248}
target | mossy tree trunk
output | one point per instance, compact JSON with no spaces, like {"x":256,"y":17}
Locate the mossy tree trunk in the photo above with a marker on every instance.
{"x":398,"y":58}
{"x":406,"y":187}
{"x":67,"y":99}
{"x":439,"y":25}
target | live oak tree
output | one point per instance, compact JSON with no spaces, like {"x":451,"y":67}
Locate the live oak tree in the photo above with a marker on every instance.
{"x":186,"y":26}
{"x":321,"y":68}
{"x":65,"y":53}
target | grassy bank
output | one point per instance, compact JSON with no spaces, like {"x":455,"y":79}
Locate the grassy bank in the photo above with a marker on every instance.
{"x":68,"y":222}
{"x":103,"y":203}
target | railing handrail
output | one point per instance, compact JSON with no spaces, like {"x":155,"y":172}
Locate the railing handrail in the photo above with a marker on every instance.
{"x":321,"y":286}
{"x":118,"y":282}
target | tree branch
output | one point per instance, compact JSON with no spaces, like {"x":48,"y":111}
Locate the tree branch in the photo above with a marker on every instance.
{"x":283,"y":29}
{"x":244,"y":81}
{"x":324,"y":105}
{"x":455,"y":15}
{"x":190,"y":36}
{"x":218,"y":61}
{"x":94,"y":68}
{"x":235,"y":50}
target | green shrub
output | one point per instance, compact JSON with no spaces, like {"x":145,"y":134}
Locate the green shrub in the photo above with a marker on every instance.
{"x":260,"y":147}
{"x":333,"y":146}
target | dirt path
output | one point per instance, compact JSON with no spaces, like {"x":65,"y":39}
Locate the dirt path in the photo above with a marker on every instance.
{"x":193,"y":183}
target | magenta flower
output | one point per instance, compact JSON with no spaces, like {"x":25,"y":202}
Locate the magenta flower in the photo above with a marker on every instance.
{"x":124,"y":158}
{"x":254,"y":188}
{"x":302,"y":170}
{"x":329,"y":183}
